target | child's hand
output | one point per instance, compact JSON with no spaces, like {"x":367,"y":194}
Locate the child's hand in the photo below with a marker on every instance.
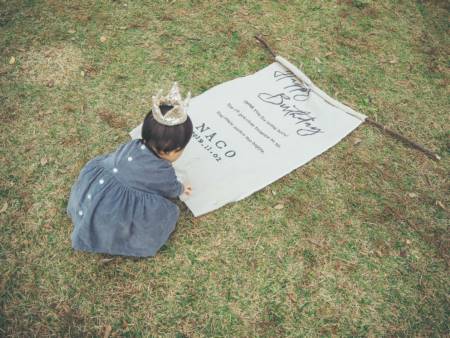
{"x":188,"y":190}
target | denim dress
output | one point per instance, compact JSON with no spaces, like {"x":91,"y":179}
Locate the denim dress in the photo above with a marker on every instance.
{"x":119,"y":204}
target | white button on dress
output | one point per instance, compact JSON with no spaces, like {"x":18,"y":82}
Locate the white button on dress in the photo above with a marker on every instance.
{"x":142,"y":147}
{"x":130,"y":159}
{"x":89,"y":196}
{"x":80,"y":213}
{"x":115,"y":170}
{"x":101,"y":181}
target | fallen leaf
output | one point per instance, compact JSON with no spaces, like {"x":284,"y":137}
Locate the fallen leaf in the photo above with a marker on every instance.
{"x":44,"y":161}
{"x":82,"y":73}
{"x":4,"y":207}
{"x":412,"y":195}
{"x":292,"y":297}
{"x":106,"y":260}
{"x":357,"y":141}
{"x":50,"y":83}
{"x":274,"y":192}
{"x":47,"y":226}
{"x":441,"y":205}
{"x":107,"y":331}
{"x":65,"y":310}
{"x":408,"y":242}
{"x":279,"y":206}
{"x":103,"y":38}
{"x":72,"y":31}
{"x":12,"y":60}
{"x":317,"y":60}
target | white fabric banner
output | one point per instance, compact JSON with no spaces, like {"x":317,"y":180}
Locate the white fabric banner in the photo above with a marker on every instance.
{"x":251,"y":131}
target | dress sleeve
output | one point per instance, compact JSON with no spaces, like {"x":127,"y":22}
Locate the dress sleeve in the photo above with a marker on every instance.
{"x":174,"y":189}
{"x":168,"y":184}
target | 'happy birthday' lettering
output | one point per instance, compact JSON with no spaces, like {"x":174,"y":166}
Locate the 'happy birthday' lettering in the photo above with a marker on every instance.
{"x":301,"y":90}
{"x":301,"y":117}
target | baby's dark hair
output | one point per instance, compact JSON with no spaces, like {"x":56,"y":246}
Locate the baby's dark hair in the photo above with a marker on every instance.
{"x":164,"y":138}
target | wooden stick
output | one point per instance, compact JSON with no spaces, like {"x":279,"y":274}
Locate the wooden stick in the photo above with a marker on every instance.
{"x":404,"y":139}
{"x":383,"y":128}
{"x":266,"y":46}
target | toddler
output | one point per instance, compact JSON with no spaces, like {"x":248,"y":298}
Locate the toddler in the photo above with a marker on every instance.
{"x":120,"y":204}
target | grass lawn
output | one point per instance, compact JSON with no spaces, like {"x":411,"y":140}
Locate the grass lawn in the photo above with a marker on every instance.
{"x":361,"y":247}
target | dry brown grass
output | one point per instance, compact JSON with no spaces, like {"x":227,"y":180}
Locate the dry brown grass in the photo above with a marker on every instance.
{"x":51,"y":66}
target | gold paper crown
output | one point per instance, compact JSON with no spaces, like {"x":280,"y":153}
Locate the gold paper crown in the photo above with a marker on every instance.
{"x":176,"y":115}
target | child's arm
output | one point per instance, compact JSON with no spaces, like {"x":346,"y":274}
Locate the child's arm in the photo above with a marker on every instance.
{"x":166,"y":183}
{"x":187,"y":189}
{"x":172,"y":188}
